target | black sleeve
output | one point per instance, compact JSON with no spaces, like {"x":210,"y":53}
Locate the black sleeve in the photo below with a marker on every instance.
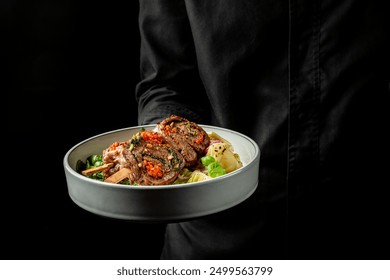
{"x":169,"y":81}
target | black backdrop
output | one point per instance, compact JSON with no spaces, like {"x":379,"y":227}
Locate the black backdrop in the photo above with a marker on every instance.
{"x":71,"y":71}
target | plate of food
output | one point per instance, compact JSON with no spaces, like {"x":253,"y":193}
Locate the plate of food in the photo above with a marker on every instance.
{"x":171,"y":171}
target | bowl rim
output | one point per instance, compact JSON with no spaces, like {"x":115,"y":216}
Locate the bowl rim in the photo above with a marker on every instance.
{"x":246,"y":166}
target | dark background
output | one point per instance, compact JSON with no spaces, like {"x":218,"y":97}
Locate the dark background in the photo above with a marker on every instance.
{"x":71,"y":71}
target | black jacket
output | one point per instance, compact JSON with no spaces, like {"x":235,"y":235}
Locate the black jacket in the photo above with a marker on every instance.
{"x":309,"y":81}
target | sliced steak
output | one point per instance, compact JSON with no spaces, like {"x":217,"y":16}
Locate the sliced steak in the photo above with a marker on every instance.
{"x":189,"y":138}
{"x":159,"y":162}
{"x":120,"y":155}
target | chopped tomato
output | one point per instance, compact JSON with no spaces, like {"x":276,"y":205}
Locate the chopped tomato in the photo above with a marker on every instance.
{"x":114,"y":145}
{"x":200,"y":139}
{"x":153,"y":170}
{"x":152,"y":136}
{"x":168,"y":129}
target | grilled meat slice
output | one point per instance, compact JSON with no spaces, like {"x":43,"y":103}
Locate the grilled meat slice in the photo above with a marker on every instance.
{"x":189,"y":138}
{"x":159,"y":162}
{"x":119,"y":154}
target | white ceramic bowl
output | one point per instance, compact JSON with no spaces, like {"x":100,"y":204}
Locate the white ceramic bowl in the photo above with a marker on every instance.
{"x":161,"y":203}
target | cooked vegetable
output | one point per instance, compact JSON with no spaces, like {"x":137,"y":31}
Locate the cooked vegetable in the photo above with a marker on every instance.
{"x":90,"y":162}
{"x":215,"y":169}
{"x":93,"y":167}
{"x":198,"y":176}
{"x":92,"y":170}
{"x":207,"y":160}
{"x":223,"y":153}
{"x":183,"y":177}
{"x":118,"y":176}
